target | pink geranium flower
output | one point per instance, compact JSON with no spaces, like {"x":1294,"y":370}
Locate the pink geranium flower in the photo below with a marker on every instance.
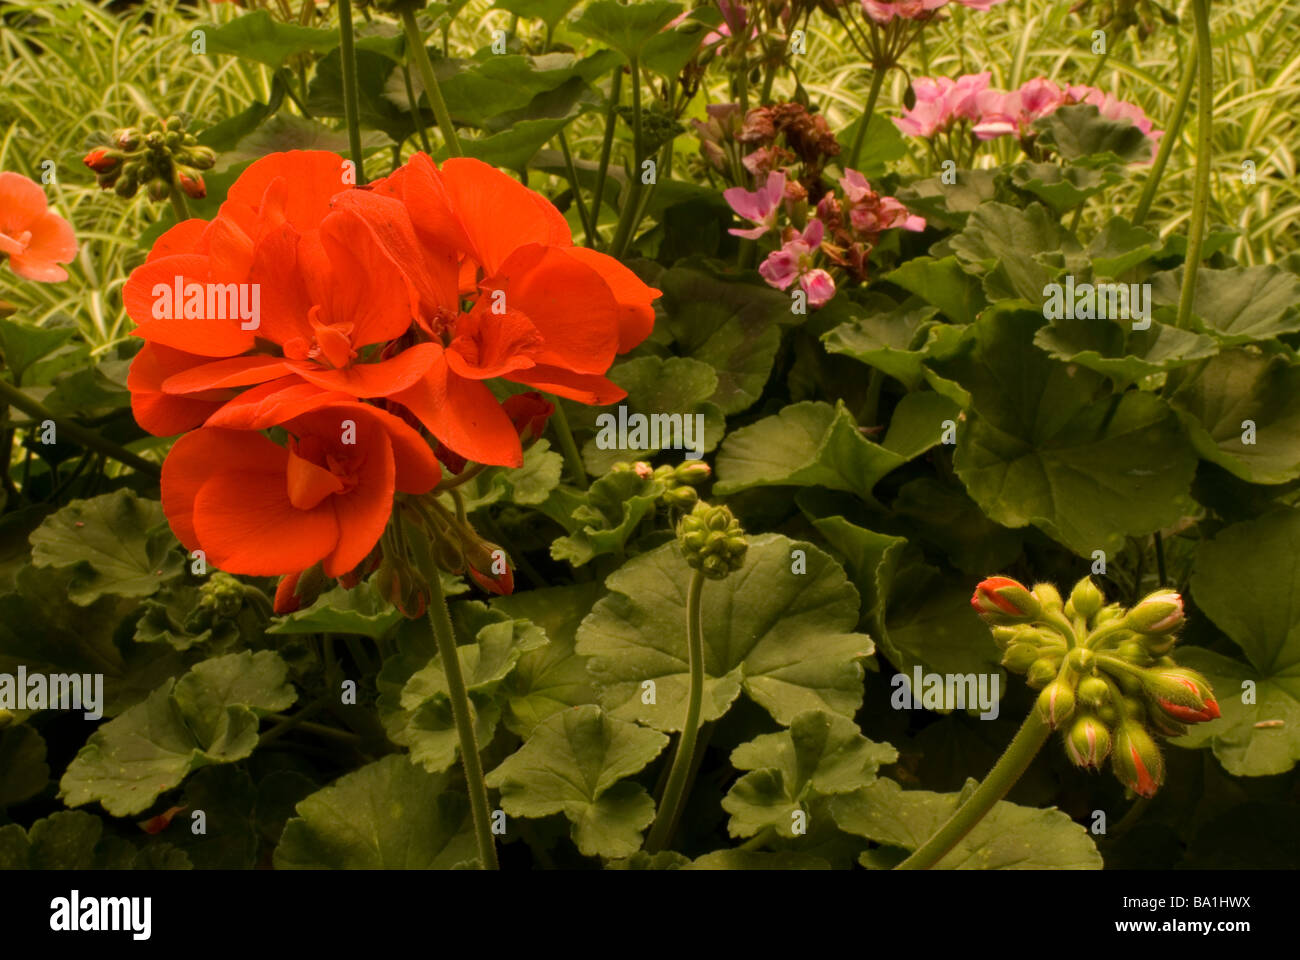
{"x":760,"y":206}
{"x":940,"y":102}
{"x":794,"y":261}
{"x":884,"y":11}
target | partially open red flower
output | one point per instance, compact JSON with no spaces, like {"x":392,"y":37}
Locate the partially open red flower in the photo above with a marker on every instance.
{"x":35,"y":239}
{"x":259,"y":508}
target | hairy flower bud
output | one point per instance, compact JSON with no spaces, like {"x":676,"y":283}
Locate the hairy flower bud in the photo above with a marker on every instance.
{"x":1136,"y":760}
{"x":298,"y":590}
{"x":1156,"y":614}
{"x":1056,"y":703}
{"x":1088,"y":742}
{"x":1086,"y":598}
{"x":693,"y":472}
{"x":1181,"y":693}
{"x":1093,"y":692}
{"x":1020,"y":656}
{"x":1048,"y":596}
{"x":102,"y":160}
{"x":1001,"y":600}
{"x":1042,"y":671}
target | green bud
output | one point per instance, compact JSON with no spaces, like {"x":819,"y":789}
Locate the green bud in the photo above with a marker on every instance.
{"x":1112,"y":611}
{"x":1081,"y":659}
{"x":1136,"y":760}
{"x":693,"y":472}
{"x":712,"y":540}
{"x":1041,"y":671}
{"x":1087,"y":598}
{"x":1135,"y":653}
{"x":1093,"y":692}
{"x":684,"y":497}
{"x":1056,"y":703}
{"x":159,"y":189}
{"x":1157,"y":613}
{"x":1048,"y":596}
{"x":1087,"y":743}
{"x":1019,"y":657}
{"x":1158,"y":646}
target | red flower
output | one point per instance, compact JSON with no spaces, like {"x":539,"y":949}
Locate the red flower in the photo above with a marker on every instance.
{"x":258,"y":508}
{"x":35,"y":239}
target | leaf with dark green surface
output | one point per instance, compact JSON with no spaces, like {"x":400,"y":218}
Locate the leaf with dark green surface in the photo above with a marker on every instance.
{"x":360,"y":610}
{"x":943,"y":284}
{"x":806,"y":444}
{"x":1039,"y":449}
{"x":23,"y":344}
{"x":920,"y":421}
{"x":1064,"y":188}
{"x":1117,"y":351}
{"x":605,"y":517}
{"x":256,"y":36}
{"x":944,"y":515}
{"x":74,"y":840}
{"x":1242,"y":411}
{"x":508,"y":84}
{"x":891,"y":339}
{"x":783,"y":637}
{"x":1120,"y":246}
{"x":1005,"y":244}
{"x":820,"y":755}
{"x":1010,"y":837}
{"x":548,"y":679}
{"x":376,"y":108}
{"x":549,"y":12}
{"x":732,"y":324}
{"x":951,"y":204}
{"x":209,"y":716}
{"x":882,"y":146}
{"x":23,"y":770}
{"x":1079,"y":132}
{"x":1238,"y":304}
{"x":1247,"y":581}
{"x":576,"y":762}
{"x":388,"y":815}
{"x":627,"y":28}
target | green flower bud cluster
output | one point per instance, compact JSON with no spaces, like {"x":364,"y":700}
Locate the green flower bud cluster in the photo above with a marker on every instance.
{"x":676,"y":485}
{"x":1119,"y":15}
{"x":1107,"y":680}
{"x":712,"y":540}
{"x":159,"y":155}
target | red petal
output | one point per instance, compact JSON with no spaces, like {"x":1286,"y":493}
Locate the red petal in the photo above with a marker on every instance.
{"x":636,"y":317}
{"x":231,"y":372}
{"x":585,"y":388}
{"x":380,"y":379}
{"x":465,"y":416}
{"x":248,"y":525}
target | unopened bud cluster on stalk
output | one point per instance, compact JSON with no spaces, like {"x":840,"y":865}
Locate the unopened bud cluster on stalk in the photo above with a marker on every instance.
{"x":1107,"y":680}
{"x":676,"y":484}
{"x":712,"y":540}
{"x":159,"y":156}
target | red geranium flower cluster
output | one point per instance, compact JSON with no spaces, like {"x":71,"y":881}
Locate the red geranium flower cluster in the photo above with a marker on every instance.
{"x":314,"y":336}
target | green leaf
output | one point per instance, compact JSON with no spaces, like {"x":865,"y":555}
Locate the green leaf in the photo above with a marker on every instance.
{"x":1010,"y":837}
{"x":1079,"y":131}
{"x":918,"y":423}
{"x":515,"y":86}
{"x":943,"y":284}
{"x":1236,"y":389}
{"x":950,"y":204}
{"x":209,"y":716}
{"x":256,"y":36}
{"x":729,"y":323}
{"x":1120,"y":246}
{"x":881,"y":148}
{"x":659,"y":388}
{"x":575,"y":763}
{"x":74,"y":840}
{"x":527,"y":485}
{"x":601,"y":521}
{"x":1247,"y":581}
{"x":821,"y":754}
{"x":1006,"y":244}
{"x":668,"y":52}
{"x":377,"y":75}
{"x":360,"y":611}
{"x":389,"y":815}
{"x":892,"y":340}
{"x":515,"y":147}
{"x":756,"y":860}
{"x":1238,"y":304}
{"x":549,"y":12}
{"x":22,"y":344}
{"x":228,"y":799}
{"x":1116,"y":350}
{"x":1041,"y":450}
{"x":945,"y":516}
{"x":871,"y":559}
{"x":117,"y":544}
{"x":806,"y":444}
{"x":1064,"y":188}
{"x":430,"y":728}
{"x":781,"y":635}
{"x":625,"y":27}
{"x":23,"y":770}
{"x":552,"y":678}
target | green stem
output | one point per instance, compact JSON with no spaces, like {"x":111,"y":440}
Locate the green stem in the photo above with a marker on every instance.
{"x":572,"y":172}
{"x":440,"y":620}
{"x":568,"y":446}
{"x":415,"y":113}
{"x":351,"y":92}
{"x":1182,"y":98}
{"x":674,"y":793}
{"x":1160,"y":558}
{"x":415,"y":48}
{"x":181,"y":208}
{"x":877,"y":81}
{"x":606,"y":146}
{"x":1201,"y":192}
{"x":1011,"y":765}
{"x":78,"y":434}
{"x":626,"y":228}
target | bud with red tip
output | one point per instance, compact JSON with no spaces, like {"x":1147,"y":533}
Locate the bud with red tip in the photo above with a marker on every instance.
{"x":489,"y":567}
{"x":1088,"y":742}
{"x":1056,"y":702}
{"x":298,"y":590}
{"x":1001,"y":600}
{"x":1136,"y":760}
{"x":529,"y":413}
{"x":1156,"y":614}
{"x":102,"y":160}
{"x":1181,"y":693}
{"x":192,"y":186}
